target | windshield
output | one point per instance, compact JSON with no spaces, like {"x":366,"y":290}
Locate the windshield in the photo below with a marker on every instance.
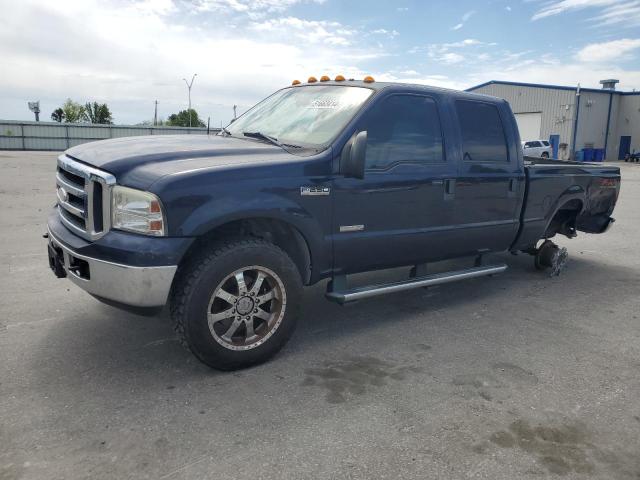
{"x":302,"y":116}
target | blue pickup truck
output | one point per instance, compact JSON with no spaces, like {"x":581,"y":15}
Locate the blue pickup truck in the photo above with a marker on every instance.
{"x":318,"y":181}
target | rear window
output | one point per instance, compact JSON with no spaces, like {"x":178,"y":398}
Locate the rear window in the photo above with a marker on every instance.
{"x":545,"y":143}
{"x":483,"y":139}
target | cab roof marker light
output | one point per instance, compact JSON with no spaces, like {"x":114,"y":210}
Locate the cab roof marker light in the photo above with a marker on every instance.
{"x":312,"y":80}
{"x":295,"y":82}
{"x":324,"y":78}
{"x":339,"y":78}
{"x":368,"y":79}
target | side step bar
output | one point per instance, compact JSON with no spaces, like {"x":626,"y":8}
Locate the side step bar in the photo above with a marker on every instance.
{"x":360,"y":293}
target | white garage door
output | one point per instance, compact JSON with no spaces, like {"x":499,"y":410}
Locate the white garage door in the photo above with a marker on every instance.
{"x":529,"y":125}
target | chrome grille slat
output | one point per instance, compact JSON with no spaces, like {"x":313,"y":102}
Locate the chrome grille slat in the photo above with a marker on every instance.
{"x":81,"y":220}
{"x":70,"y":208}
{"x":79,"y":192}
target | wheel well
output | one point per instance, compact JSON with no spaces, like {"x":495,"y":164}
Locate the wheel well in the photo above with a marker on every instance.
{"x":278,"y":232}
{"x":564,"y":220}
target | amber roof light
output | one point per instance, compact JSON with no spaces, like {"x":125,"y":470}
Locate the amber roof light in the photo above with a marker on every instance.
{"x":312,"y":80}
{"x":368,"y":79}
{"x":339,"y":78}
{"x":295,"y":82}
{"x":324,"y":78}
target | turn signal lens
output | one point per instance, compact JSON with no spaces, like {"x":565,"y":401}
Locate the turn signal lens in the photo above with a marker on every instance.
{"x":295,"y":82}
{"x":312,"y":80}
{"x":368,"y":79}
{"x":339,"y":78}
{"x":324,"y":78}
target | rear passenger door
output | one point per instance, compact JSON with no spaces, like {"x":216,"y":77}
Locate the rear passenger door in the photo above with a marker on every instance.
{"x":490,"y":181}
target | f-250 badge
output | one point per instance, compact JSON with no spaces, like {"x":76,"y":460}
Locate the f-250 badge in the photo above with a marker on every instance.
{"x":313,"y":191}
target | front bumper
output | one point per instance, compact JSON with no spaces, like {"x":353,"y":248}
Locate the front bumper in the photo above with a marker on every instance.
{"x":122,"y":284}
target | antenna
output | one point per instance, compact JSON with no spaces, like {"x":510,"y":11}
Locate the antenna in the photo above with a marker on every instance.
{"x":35,"y":108}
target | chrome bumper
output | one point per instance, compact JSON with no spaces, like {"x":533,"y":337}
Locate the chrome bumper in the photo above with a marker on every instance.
{"x":126,"y":284}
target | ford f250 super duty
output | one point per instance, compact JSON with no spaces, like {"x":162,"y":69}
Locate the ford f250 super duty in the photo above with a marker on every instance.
{"x":318,"y":181}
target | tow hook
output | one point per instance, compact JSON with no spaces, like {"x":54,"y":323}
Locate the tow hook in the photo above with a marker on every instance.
{"x":551,"y":256}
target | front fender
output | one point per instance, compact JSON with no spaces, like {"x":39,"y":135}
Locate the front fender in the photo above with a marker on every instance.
{"x":218,"y":211}
{"x":285,"y":205}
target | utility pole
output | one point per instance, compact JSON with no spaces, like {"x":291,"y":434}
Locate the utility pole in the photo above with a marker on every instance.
{"x":155,"y":114}
{"x":189,"y":85}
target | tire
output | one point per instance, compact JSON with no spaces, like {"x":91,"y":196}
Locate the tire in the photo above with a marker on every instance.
{"x":208,"y":304}
{"x":545,"y":155}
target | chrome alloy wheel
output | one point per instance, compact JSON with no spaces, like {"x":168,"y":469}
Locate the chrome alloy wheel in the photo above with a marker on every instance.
{"x":246,"y":308}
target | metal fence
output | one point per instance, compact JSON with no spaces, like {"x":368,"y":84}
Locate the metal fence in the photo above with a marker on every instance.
{"x":60,"y":136}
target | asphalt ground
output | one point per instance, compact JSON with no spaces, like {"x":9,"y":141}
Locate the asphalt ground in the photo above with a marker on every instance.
{"x":514,"y":376}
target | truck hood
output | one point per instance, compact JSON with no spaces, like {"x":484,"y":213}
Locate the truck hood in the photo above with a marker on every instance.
{"x":139,"y":161}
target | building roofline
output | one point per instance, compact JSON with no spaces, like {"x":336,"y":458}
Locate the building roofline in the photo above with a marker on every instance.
{"x":552,"y":87}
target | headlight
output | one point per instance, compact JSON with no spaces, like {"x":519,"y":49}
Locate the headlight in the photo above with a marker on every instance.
{"x":136,"y":211}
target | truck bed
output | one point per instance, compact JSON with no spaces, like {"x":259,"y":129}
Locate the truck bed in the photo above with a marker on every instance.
{"x":558,"y":190}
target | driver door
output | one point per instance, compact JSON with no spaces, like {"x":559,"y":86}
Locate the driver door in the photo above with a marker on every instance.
{"x":400,"y":213}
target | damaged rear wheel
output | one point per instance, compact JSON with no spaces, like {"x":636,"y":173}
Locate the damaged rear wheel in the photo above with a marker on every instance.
{"x":551,"y":257}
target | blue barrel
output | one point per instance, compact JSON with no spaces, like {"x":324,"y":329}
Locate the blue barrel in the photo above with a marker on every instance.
{"x":599,"y":155}
{"x":587,"y":154}
{"x":579,"y":156}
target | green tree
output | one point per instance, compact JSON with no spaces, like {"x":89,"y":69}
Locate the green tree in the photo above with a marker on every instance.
{"x":97,"y":113}
{"x":181,"y":119}
{"x":57,"y":115}
{"x":73,"y":112}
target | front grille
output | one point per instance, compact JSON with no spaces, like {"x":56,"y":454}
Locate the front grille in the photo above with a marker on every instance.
{"x":83,"y":197}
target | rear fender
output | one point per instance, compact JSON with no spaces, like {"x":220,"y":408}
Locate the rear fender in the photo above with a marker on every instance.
{"x":571,"y":194}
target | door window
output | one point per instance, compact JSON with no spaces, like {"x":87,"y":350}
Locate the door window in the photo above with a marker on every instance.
{"x":403,"y":129}
{"x":483,"y":139}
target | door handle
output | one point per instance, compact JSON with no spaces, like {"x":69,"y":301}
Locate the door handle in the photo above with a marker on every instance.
{"x":513,"y":187}
{"x":449,"y":188}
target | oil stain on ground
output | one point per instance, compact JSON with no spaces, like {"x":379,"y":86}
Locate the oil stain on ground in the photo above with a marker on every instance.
{"x":354,"y":376}
{"x":563,"y":449}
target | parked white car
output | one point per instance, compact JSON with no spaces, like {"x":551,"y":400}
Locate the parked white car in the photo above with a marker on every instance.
{"x":537,"y":148}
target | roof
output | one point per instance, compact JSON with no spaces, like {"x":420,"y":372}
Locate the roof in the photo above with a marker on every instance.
{"x":551,"y":87}
{"x":377,"y":86}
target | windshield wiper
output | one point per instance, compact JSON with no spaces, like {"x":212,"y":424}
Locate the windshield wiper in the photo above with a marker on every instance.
{"x":262,"y":136}
{"x":225,"y":131}
{"x":270,"y":139}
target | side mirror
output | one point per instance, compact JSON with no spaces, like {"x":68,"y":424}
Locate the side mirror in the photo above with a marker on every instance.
{"x":353,"y":156}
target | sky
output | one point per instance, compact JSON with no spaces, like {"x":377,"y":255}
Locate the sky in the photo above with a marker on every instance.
{"x":132,"y":53}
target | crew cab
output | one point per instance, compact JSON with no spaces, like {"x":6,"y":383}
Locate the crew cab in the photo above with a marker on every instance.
{"x":537,"y":148}
{"x":318,"y":181}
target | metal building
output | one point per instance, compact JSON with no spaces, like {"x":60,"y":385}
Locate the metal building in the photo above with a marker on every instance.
{"x":580,"y":123}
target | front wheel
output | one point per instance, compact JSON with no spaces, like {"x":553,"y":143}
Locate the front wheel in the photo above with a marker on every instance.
{"x":237,"y":303}
{"x":545,"y":155}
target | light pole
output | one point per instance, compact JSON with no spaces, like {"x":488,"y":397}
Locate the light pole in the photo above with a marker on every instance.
{"x":189,"y":85}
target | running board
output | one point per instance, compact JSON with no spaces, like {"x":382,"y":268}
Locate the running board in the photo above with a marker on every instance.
{"x":360,"y":293}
